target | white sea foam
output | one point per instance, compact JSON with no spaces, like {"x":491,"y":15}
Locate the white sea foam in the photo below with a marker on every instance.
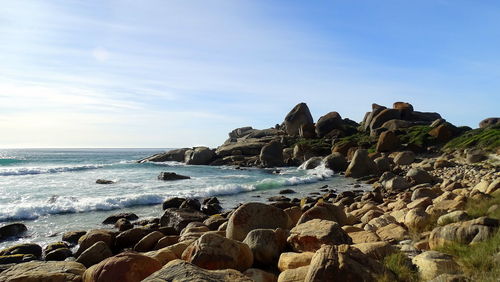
{"x":43,"y":170}
{"x":224,"y":189}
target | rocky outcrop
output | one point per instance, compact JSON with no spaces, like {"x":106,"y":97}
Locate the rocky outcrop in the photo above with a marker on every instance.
{"x":252,"y":216}
{"x":182,"y":271}
{"x":180,"y":218}
{"x":296,"y":118}
{"x":388,"y":141}
{"x":361,"y":165}
{"x":177,"y":155}
{"x":199,"y":156}
{"x":489,"y":122}
{"x":336,"y":162}
{"x":271,"y":155}
{"x":61,"y":271}
{"x":168,"y":176}
{"x":329,"y":122}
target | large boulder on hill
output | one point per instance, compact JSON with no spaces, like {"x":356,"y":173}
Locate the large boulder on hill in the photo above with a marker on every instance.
{"x":212,"y":251}
{"x":176,"y":155}
{"x":310,"y":235}
{"x":60,"y":271}
{"x":466,"y":232}
{"x":388,"y":141}
{"x":444,"y":132}
{"x":361,"y":165}
{"x":376,"y":109}
{"x":297,"y":117}
{"x":397,"y":124}
{"x":343,"y":263}
{"x":406,"y":109}
{"x":240,"y":132}
{"x":180,"y":218}
{"x":182,"y":271}
{"x":329,"y":122}
{"x":307,"y":131}
{"x":271,"y":155}
{"x":489,"y":122}
{"x":336,"y":162}
{"x":383,"y":116}
{"x":252,"y":216}
{"x":425,"y":116}
{"x":127,"y":267}
{"x":12,"y":230}
{"x":199,"y":156}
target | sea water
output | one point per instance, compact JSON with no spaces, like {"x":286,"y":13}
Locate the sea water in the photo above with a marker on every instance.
{"x":53,"y":191}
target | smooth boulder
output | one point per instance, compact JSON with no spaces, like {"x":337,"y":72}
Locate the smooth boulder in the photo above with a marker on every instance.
{"x":53,"y":271}
{"x":309,"y":236}
{"x":361,"y":165}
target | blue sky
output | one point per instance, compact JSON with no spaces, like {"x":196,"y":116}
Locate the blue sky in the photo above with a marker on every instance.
{"x":184,"y":73}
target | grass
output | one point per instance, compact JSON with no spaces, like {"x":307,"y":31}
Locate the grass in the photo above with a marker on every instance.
{"x":318,"y":146}
{"x":419,"y":135}
{"x":400,"y":265}
{"x":362,"y":139}
{"x":483,"y":138}
{"x":478,"y":208}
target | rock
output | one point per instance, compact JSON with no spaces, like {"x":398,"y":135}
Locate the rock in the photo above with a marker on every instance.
{"x":465,"y":232}
{"x":422,"y":193}
{"x":191,"y":203}
{"x":404,"y":158}
{"x":329,"y":122}
{"x":287,"y":191}
{"x":343,"y":262}
{"x":104,"y":181}
{"x":388,"y":141}
{"x":452,"y":217}
{"x":173,"y":203}
{"x":376,"y":250}
{"x":214,"y":221}
{"x":486,"y":187}
{"x":180,"y":218}
{"x":307,"y":131}
{"x":431,"y":264}
{"x":95,"y":254}
{"x":266,"y":244}
{"x":383,"y":164}
{"x":123,"y":224}
{"x":419,"y":176}
{"x":361,"y":165}
{"x":176,"y":155}
{"x":325,"y":211}
{"x":294,"y":275}
{"x":396,"y":124}
{"x":294,"y":260}
{"x":392,"y":232}
{"x":58,"y":254}
{"x":12,"y":230}
{"x":294,"y":213}
{"x":54,"y":246}
{"x":403,"y":106}
{"x":396,"y":183}
{"x":312,"y":163}
{"x":114,"y":218}
{"x":72,"y":237}
{"x":167,"y":241}
{"x":383,"y":116}
{"x":14,"y":259}
{"x":444,"y":132}
{"x":417,"y":219}
{"x":168,"y":176}
{"x":148,"y":242}
{"x":310,"y":235}
{"x":489,"y":122}
{"x":376,"y":109}
{"x":297,"y":117}
{"x":60,"y":271}
{"x":252,"y":216}
{"x":442,"y":163}
{"x":271,"y":155}
{"x":198,"y":156}
{"x":240,"y":132}
{"x":127,"y":267}
{"x":475,"y":156}
{"x":336,"y":162}
{"x":212,"y":251}
{"x":163,"y":255}
{"x":181,"y":271}
{"x":363,"y":237}
{"x":25,"y":249}
{"x":420,"y":203}
{"x":259,"y":275}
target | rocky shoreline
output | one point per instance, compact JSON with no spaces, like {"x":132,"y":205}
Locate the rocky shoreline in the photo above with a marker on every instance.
{"x":433,"y":185}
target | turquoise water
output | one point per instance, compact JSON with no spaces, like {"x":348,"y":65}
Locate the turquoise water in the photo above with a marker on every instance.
{"x":53,"y":191}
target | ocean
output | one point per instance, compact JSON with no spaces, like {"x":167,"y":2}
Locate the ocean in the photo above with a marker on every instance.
{"x":53,"y":191}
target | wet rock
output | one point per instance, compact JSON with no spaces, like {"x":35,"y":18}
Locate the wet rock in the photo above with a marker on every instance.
{"x":112,"y":219}
{"x":25,"y":249}
{"x":123,"y":224}
{"x":176,"y":155}
{"x":287,"y":191}
{"x":12,"y":230}
{"x":180,"y":218}
{"x":271,"y":155}
{"x":169,"y":176}
{"x":336,"y":162}
{"x":191,"y":203}
{"x":58,"y":254}
{"x":95,"y":254}
{"x":173,"y":203}
{"x":104,"y":181}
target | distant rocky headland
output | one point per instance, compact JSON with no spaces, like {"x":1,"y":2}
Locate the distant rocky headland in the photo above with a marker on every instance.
{"x":432,"y":214}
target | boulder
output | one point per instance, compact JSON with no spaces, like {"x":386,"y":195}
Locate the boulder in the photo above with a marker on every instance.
{"x":240,"y":132}
{"x":444,"y":132}
{"x":329,"y":122}
{"x":259,"y":275}
{"x":168,"y":176}
{"x":123,"y":224}
{"x":417,"y":219}
{"x":336,"y":162}
{"x":294,"y":275}
{"x":104,"y":181}
{"x":397,"y":124}
{"x":58,"y":254}
{"x":309,"y":236}
{"x":404,"y":158}
{"x":214,"y":221}
{"x":53,"y":271}
{"x":252,"y":216}
{"x":307,"y":131}
{"x":112,"y":219}
{"x":166,"y":241}
{"x":432,"y":264}
{"x":388,"y":141}
{"x":128,"y":238}
{"x":24,"y":249}
{"x":291,"y":260}
{"x":343,"y":262}
{"x":383,"y":164}
{"x":396,"y":183}
{"x":325,"y":211}
{"x":361,"y":165}
{"x":363,"y":237}
{"x":174,"y":202}
{"x":148,"y":242}
{"x":199,"y":156}
{"x":72,"y":237}
{"x":182,"y":271}
{"x":312,"y":163}
{"x":297,"y":117}
{"x":176,"y":155}
{"x":271,"y":155}
{"x":266,"y":244}
{"x":376,"y":109}
{"x":12,"y":230}
{"x":212,"y":251}
{"x":163,"y":255}
{"x":191,"y":203}
{"x":95,"y":254}
{"x":419,"y":176}
{"x":126,"y":267}
{"x":475,"y":156}
{"x":180,"y":218}
{"x":383,"y":116}
{"x":452,"y":217}
{"x":376,"y":250}
{"x":392,"y":232}
{"x":466,"y":232}
{"x":489,"y":122}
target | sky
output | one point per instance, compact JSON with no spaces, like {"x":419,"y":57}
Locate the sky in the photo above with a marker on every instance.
{"x":163,"y":74}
